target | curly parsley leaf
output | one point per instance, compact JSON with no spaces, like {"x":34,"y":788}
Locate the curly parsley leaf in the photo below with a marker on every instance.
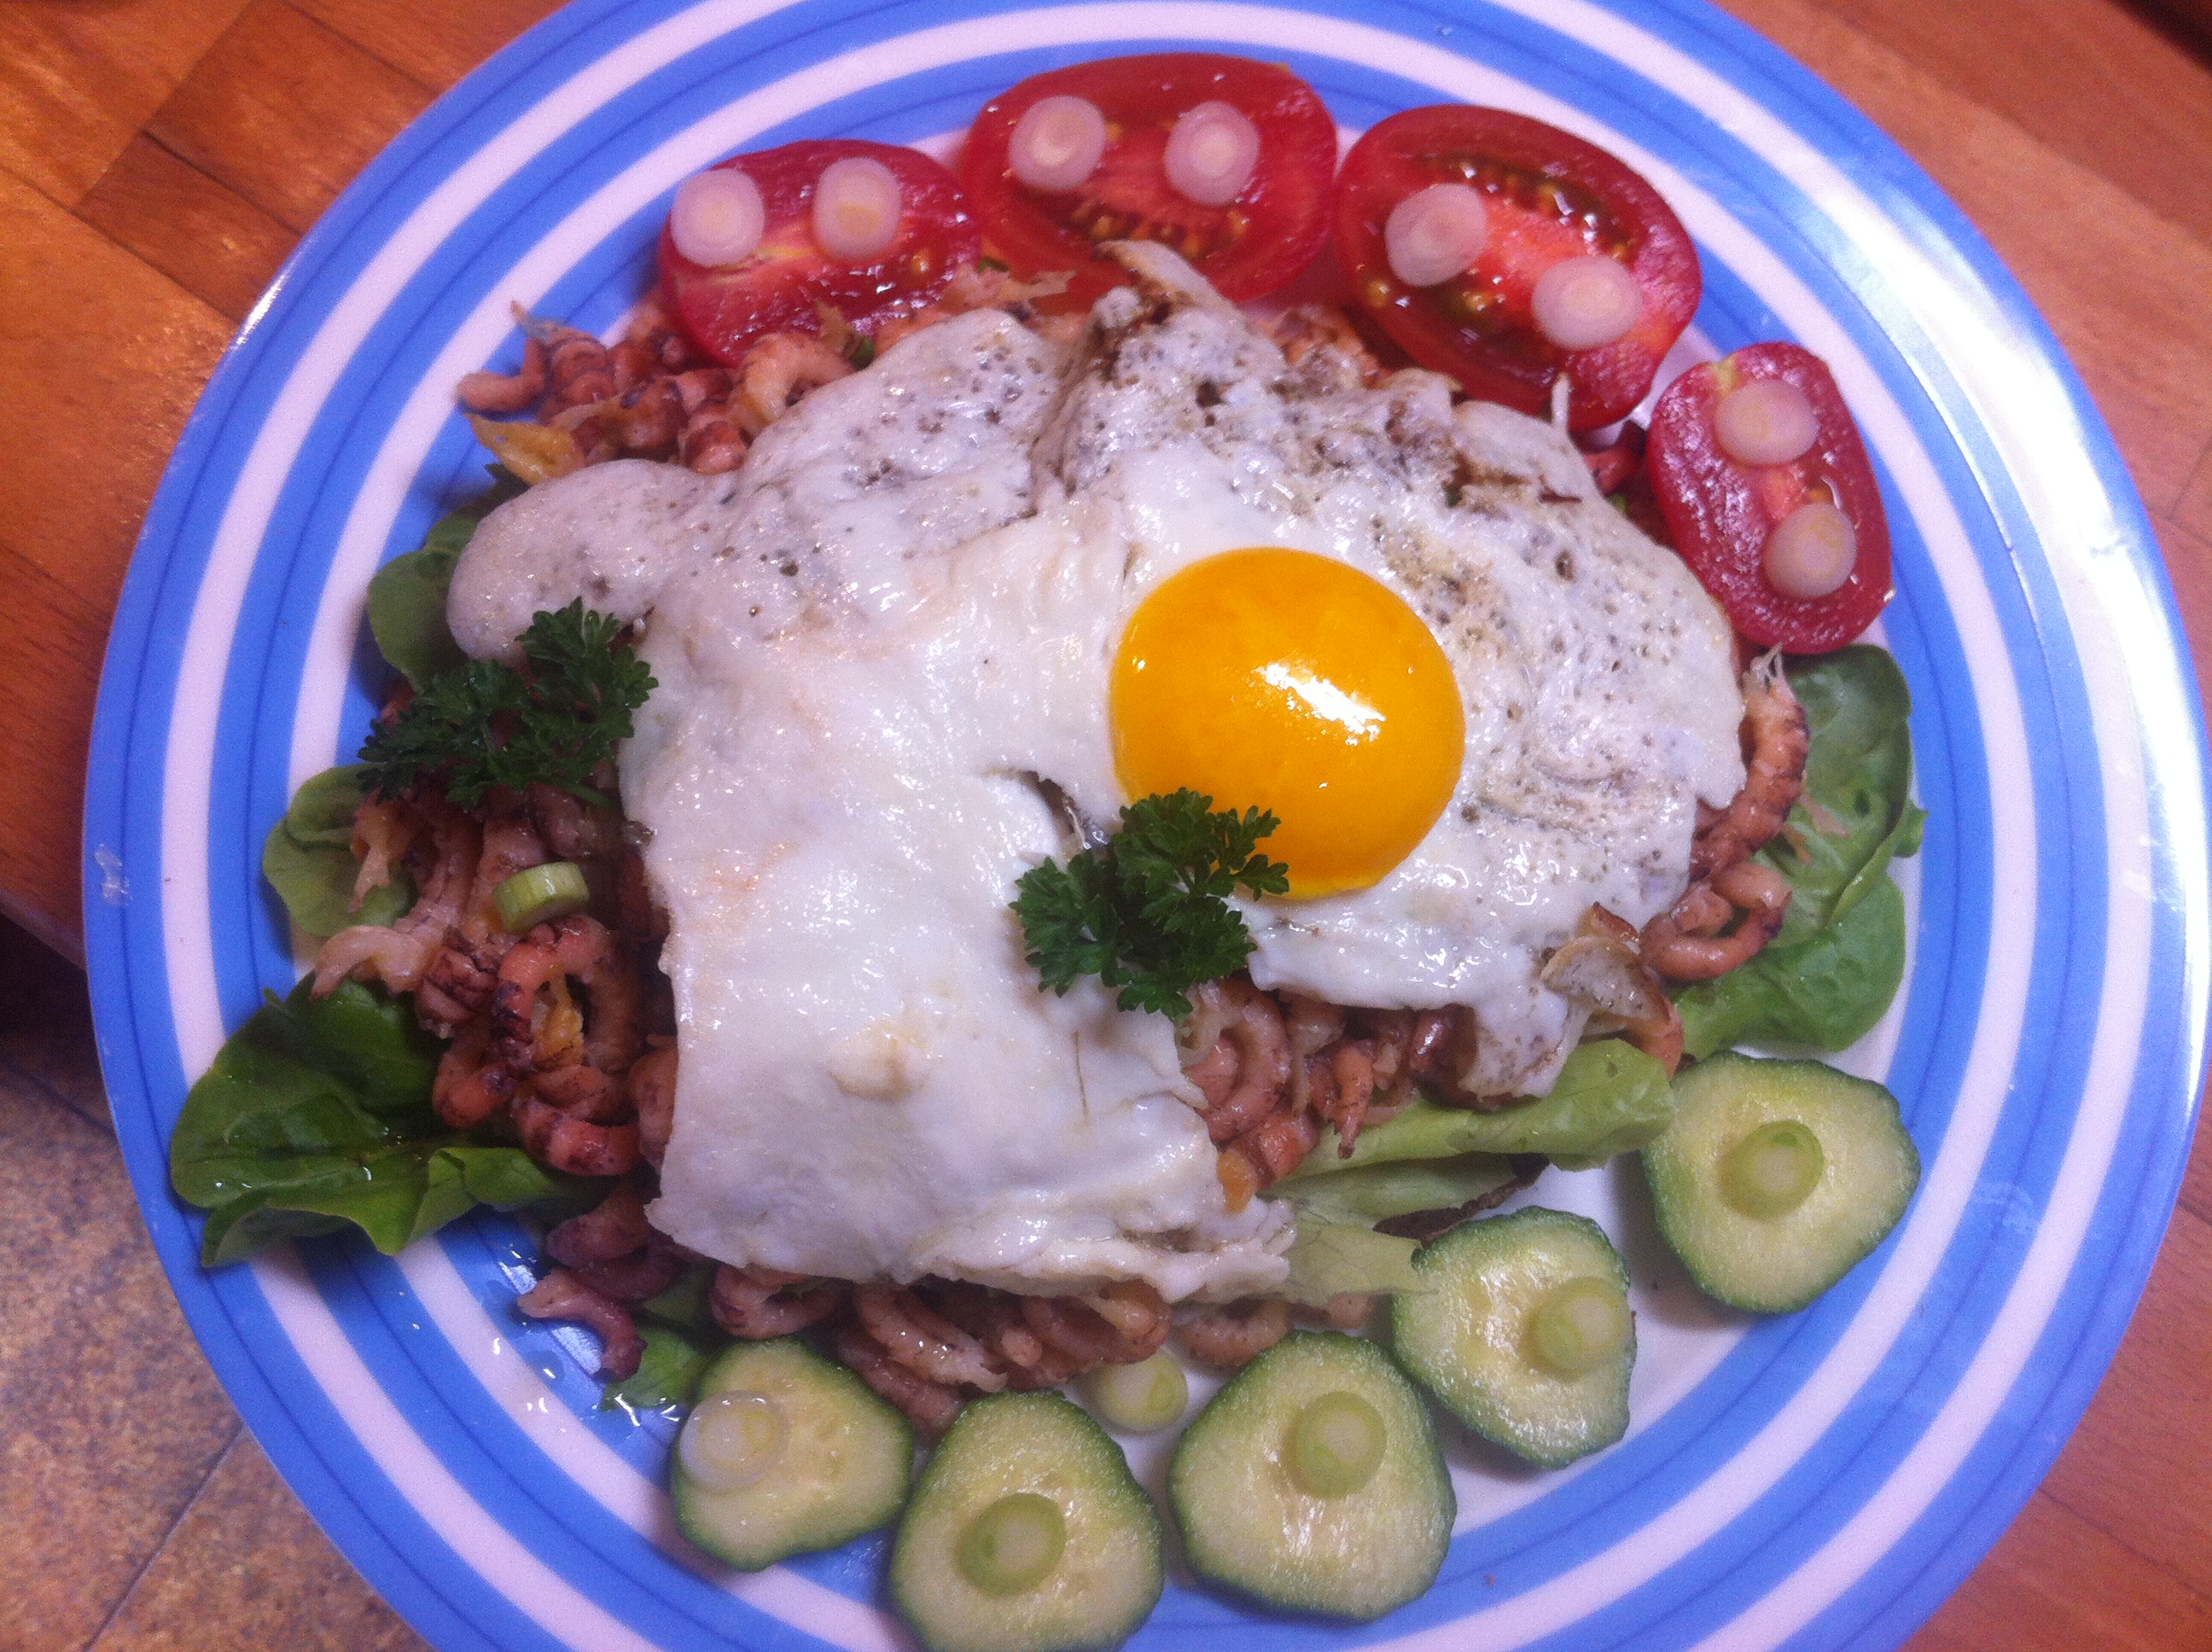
{"x":488,"y":724}
{"x":1148,"y":913}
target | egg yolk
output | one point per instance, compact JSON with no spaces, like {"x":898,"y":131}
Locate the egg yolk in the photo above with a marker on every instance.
{"x":1296,"y":684}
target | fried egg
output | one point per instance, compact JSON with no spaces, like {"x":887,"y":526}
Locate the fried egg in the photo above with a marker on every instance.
{"x":958,"y":609}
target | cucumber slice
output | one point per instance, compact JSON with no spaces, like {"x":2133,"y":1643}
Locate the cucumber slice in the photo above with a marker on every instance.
{"x":1026,"y":1534}
{"x":1524,"y":1332}
{"x":1312,"y":1481}
{"x":786,"y":1452}
{"x":1776,"y":1177}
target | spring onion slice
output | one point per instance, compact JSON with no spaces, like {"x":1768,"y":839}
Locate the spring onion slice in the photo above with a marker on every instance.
{"x":540,"y":895}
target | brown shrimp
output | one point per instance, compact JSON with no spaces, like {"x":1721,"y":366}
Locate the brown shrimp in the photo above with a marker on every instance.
{"x":756,"y":1303}
{"x":384,"y":830}
{"x":651,"y":1081}
{"x":584,"y":950}
{"x":923,"y":1340}
{"x":577,"y":1146}
{"x":561,"y":1296}
{"x":506,"y":392}
{"x":1685,"y":943}
{"x":1117,"y":1325}
{"x":1602,"y":967}
{"x":614,"y":1227}
{"x":458,"y":984}
{"x":470,"y":1087}
{"x":398,"y":955}
{"x":778,"y":365}
{"x":1234,"y":1335}
{"x":930,"y":1406}
{"x":1778,"y":741}
{"x":1244,"y":1074}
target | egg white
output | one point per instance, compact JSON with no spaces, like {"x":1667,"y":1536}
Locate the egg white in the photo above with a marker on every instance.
{"x":876,"y":640}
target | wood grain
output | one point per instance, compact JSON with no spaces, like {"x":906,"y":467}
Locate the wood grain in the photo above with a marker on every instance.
{"x":81,"y":76}
{"x":157,"y":158}
{"x":211,"y":240}
{"x":2101,"y":86}
{"x":434,"y":42}
{"x":71,"y":502}
{"x":284,"y":111}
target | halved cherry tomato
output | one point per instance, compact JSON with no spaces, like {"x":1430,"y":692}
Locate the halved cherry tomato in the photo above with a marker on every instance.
{"x":1247,"y":248}
{"x":1723,"y":512}
{"x":1550,"y":196}
{"x":725,"y":307}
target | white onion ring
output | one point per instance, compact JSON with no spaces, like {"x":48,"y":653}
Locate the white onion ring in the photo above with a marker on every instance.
{"x":1057,"y":144}
{"x":1766,"y":422}
{"x":1211,"y":153}
{"x":1435,"y":234}
{"x":1811,"y":552}
{"x":718,"y":218}
{"x":1582,"y":303}
{"x":856,"y":208}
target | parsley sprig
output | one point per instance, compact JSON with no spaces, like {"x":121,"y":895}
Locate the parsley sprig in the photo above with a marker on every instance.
{"x":1149,"y":912}
{"x":485,"y":725}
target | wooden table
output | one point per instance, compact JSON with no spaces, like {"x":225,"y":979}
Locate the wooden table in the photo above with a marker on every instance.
{"x":158,"y":159}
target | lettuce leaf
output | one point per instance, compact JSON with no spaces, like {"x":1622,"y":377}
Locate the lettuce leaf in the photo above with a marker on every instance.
{"x":1829,"y":976}
{"x":1857,"y":812}
{"x":1328,"y":1259}
{"x":1376,"y":1192}
{"x":684,"y":1304}
{"x":1610,"y":1098}
{"x":407,"y":603}
{"x":307,"y":858}
{"x":1827,"y":992}
{"x":667,"y":1372}
{"x":316,"y":1116}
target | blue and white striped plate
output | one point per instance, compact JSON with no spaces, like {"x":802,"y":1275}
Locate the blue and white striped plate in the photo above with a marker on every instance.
{"x":1819,"y":1480}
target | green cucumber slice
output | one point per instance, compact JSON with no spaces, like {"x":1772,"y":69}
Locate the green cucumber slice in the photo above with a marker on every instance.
{"x":1026,"y":1534}
{"x":786,"y":1452}
{"x":1524,"y":1332}
{"x":1312,"y":1481}
{"x":1776,"y":1177}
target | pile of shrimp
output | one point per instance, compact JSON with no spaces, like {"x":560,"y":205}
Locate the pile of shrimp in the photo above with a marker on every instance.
{"x":654,"y":395}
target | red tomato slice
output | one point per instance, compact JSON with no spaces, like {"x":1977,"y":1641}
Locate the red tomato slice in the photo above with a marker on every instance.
{"x":1551,"y":197}
{"x":725,"y":307}
{"x":1721,"y":511}
{"x":1247,"y":249}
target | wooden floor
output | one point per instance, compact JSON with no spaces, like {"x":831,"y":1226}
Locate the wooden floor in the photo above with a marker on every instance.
{"x":158,"y":159}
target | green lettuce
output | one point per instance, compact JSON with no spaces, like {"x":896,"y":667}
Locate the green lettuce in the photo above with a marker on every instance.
{"x":1328,"y":1259}
{"x":1830,"y":974}
{"x":316,"y":1115}
{"x":1376,"y":1192}
{"x":407,"y":603}
{"x":1610,"y":1098}
{"x":668,"y":1372}
{"x":1826,"y":992}
{"x":1856,"y":812}
{"x":307,"y":858}
{"x":684,"y":1304}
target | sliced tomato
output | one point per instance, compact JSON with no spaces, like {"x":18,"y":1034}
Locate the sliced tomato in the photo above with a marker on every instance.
{"x":1721,"y":512}
{"x":1247,"y":248}
{"x":1550,"y":196}
{"x":725,"y":307}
